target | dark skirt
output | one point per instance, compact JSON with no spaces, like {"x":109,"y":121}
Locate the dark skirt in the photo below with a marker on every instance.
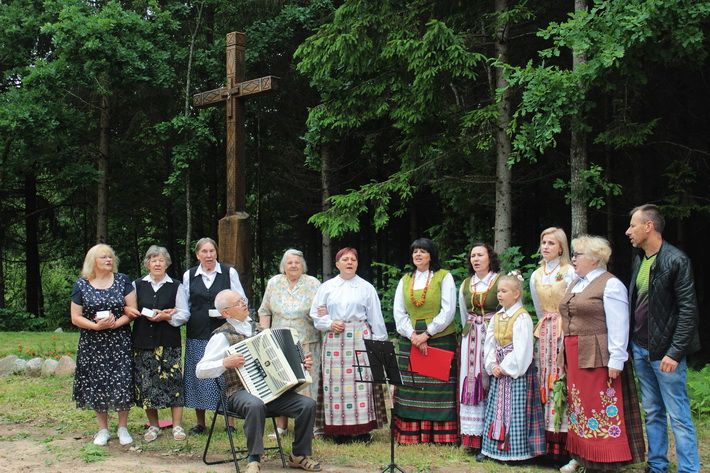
{"x":199,"y":393}
{"x":158,"y":377}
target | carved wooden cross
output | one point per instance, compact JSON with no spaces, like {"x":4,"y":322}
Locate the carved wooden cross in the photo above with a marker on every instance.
{"x":233,"y":238}
{"x":233,"y":95}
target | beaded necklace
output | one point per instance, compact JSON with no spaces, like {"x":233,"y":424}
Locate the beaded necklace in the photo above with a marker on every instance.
{"x":420,"y":302}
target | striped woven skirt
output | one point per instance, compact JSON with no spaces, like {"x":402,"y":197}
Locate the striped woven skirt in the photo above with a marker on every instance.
{"x":426,"y":413}
{"x":525,"y":435}
{"x":350,"y":407}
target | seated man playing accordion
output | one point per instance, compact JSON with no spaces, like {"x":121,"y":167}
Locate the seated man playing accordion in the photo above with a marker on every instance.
{"x":215,"y":362}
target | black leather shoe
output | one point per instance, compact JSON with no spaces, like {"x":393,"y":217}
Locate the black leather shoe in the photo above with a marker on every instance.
{"x":231,"y":430}
{"x":198,"y":429}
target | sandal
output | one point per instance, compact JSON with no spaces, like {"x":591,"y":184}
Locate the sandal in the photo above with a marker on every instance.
{"x":151,"y":434}
{"x":303,"y":462}
{"x":179,"y":433}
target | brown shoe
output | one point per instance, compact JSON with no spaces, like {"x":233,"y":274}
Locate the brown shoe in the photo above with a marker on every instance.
{"x":303,"y":462}
{"x":253,"y":467}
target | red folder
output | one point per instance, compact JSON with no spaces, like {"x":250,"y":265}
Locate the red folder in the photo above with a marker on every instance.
{"x":436,"y":364}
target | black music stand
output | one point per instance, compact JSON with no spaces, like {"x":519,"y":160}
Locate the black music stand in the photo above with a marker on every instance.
{"x":385,"y":370}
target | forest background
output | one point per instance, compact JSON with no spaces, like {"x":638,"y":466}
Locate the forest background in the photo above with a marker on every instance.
{"x":457,"y":120}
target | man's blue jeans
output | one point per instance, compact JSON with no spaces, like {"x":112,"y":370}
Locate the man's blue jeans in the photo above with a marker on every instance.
{"x":662,"y":395}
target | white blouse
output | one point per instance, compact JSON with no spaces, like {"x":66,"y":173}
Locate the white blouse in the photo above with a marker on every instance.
{"x":517,"y":362}
{"x":616,"y":313}
{"x":446,"y":313}
{"x":349,"y":300}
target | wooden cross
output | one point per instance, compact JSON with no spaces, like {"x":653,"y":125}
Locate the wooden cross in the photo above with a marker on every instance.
{"x":234,"y":232}
{"x":234,"y":92}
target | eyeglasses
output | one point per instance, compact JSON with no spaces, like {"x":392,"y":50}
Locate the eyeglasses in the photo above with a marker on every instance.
{"x":577,"y":255}
{"x":238,"y":304}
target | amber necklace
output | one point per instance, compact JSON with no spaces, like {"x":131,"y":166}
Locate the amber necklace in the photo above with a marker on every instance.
{"x":420,"y":302}
{"x":546,"y":272}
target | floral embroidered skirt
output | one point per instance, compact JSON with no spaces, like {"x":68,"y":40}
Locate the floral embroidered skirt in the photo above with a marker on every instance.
{"x":158,"y":377}
{"x":595,"y":405}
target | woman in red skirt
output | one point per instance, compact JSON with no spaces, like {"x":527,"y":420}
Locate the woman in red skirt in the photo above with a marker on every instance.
{"x":604,"y":420}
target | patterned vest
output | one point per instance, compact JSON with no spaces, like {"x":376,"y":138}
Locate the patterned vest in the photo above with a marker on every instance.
{"x":231,"y":378}
{"x":550,"y":295}
{"x":583,"y":316}
{"x":480,"y":303}
{"x":432,"y":304}
{"x":503,"y":328}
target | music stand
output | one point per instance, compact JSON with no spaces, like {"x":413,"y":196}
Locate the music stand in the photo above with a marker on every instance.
{"x":385,"y":370}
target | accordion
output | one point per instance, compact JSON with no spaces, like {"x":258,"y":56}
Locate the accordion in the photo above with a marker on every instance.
{"x":273,"y":363}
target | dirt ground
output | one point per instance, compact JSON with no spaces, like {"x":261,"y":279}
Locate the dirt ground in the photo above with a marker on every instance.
{"x":25,"y":450}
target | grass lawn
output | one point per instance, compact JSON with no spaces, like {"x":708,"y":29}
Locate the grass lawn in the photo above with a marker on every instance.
{"x":45,"y":404}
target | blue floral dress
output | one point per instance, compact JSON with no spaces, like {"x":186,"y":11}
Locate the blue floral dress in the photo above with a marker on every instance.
{"x":104,"y":376}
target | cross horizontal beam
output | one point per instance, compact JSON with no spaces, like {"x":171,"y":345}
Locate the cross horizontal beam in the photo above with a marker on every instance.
{"x":242,"y":89}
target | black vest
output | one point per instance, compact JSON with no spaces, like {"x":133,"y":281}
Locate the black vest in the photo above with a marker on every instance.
{"x":146,"y":333}
{"x":201,"y":325}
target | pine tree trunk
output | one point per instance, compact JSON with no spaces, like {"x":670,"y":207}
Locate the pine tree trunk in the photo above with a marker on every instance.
{"x":503,"y":214}
{"x":33,"y":280}
{"x":578,"y":160}
{"x":326,"y":244}
{"x":102,"y":165}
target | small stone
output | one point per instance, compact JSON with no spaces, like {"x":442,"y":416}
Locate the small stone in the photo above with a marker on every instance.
{"x":34,"y":367}
{"x":20,"y":366}
{"x":7,"y":365}
{"x":49,"y":366}
{"x":59,"y":330}
{"x":66,"y":366}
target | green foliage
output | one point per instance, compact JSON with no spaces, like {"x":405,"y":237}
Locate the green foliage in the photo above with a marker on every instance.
{"x":699,"y":392}
{"x":595,"y":188}
{"x":91,"y":453}
{"x":15,"y":320}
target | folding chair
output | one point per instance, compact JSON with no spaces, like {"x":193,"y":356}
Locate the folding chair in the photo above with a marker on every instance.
{"x":236,"y":454}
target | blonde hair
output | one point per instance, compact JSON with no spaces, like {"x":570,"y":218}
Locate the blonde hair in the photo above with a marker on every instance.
{"x":292,"y":252}
{"x":515,"y":279}
{"x":595,"y":247}
{"x":88,"y":270}
{"x":561,"y":238}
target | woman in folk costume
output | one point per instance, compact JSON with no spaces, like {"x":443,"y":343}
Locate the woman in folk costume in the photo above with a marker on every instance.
{"x":477,"y":304}
{"x":514,"y":428}
{"x":548,"y":285}
{"x":424,"y":309}
{"x":347,"y":309}
{"x":605,"y":429}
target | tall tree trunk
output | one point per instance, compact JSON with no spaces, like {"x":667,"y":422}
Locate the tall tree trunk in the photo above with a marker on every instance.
{"x":578,"y":160}
{"x":186,"y":112}
{"x":2,"y":267}
{"x":102,"y":188}
{"x":326,"y":243}
{"x":503,"y":215}
{"x":33,"y":280}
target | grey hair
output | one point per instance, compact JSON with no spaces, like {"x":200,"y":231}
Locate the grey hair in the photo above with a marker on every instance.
{"x":203,"y":241}
{"x":221,"y":300}
{"x":156,"y":251}
{"x":292,"y":252}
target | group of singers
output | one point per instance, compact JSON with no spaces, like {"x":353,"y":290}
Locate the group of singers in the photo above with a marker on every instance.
{"x":516,"y":390}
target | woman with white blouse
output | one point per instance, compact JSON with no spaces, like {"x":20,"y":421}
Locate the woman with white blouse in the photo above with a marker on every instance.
{"x":424,"y":309}
{"x":548,"y":285}
{"x":347,"y":309}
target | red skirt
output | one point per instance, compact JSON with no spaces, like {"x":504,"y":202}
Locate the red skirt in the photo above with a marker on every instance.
{"x":597,"y":429}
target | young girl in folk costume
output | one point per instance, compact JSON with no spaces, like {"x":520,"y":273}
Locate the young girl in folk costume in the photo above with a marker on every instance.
{"x":548,"y":285}
{"x":477,"y":304}
{"x":513,"y":428}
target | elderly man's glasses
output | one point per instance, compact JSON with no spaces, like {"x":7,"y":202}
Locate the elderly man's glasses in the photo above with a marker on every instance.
{"x":238,"y":304}
{"x":577,"y":254}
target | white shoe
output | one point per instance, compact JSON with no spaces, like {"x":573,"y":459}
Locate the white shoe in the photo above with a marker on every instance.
{"x":101,"y":437}
{"x":571,"y":467}
{"x":282,"y":432}
{"x":151,"y":434}
{"x":124,"y":438}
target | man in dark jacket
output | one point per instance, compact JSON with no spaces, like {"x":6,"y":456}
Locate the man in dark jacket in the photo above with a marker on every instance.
{"x":664,"y":328}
